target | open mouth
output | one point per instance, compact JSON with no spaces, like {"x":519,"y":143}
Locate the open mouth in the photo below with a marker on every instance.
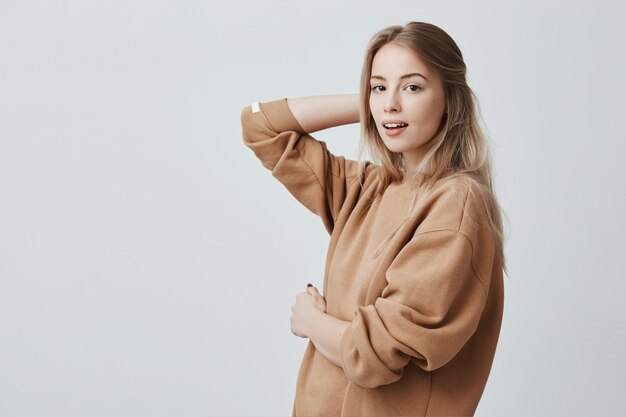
{"x":395,"y":125}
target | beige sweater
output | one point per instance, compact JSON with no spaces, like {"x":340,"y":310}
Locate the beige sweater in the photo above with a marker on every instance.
{"x":425,"y":314}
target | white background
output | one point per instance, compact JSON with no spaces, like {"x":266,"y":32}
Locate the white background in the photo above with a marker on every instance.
{"x":148,"y":262}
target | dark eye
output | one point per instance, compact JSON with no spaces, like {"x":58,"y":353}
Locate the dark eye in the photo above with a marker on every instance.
{"x":374,"y":88}
{"x":413,"y":87}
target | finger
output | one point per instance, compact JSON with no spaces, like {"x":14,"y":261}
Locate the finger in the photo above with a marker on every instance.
{"x":314,"y":292}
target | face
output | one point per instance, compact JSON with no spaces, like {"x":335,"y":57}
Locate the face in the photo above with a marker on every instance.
{"x":406,"y":101}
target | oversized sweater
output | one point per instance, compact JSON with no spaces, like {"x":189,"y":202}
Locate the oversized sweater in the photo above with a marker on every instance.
{"x":425,"y":314}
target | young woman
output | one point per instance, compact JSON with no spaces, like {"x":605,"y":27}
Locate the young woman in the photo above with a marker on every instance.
{"x":413,"y":288}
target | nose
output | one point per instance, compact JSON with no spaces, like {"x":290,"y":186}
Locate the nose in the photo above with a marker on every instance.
{"x":392,"y":103}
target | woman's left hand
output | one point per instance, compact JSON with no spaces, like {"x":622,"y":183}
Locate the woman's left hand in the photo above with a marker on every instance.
{"x":308,"y":305}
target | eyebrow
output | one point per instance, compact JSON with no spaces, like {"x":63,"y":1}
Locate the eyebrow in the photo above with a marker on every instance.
{"x":413,"y":74}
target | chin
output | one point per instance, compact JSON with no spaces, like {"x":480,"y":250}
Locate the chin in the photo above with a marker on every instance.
{"x":395,"y":146}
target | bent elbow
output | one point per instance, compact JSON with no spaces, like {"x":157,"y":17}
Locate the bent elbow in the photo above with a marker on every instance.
{"x":246,"y":124}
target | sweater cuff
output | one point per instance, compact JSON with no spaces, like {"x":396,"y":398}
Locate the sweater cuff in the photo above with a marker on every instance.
{"x":362,"y":363}
{"x":280,"y":117}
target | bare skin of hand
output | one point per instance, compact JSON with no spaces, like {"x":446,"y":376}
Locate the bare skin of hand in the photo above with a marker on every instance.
{"x":309,"y":319}
{"x":305,"y":310}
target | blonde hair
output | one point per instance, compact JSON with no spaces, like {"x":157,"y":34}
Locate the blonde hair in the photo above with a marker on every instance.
{"x":460,"y":148}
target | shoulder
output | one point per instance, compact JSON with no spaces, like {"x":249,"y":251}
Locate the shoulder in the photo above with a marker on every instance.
{"x":457,"y":203}
{"x":460,"y":206}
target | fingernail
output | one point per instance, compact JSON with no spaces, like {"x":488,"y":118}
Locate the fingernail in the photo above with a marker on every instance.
{"x":309,"y":285}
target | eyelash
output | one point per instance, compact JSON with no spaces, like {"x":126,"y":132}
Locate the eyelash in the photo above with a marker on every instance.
{"x":410,"y":85}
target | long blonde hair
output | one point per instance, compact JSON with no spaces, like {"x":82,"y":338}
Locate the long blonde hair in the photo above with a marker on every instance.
{"x":460,"y":148}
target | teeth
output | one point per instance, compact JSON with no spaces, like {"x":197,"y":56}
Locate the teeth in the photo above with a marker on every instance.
{"x":391,"y":125}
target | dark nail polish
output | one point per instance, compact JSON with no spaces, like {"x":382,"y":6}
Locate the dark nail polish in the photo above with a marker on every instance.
{"x":309,"y":285}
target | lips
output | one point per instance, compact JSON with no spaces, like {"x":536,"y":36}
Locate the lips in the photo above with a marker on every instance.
{"x":394,"y":123}
{"x":394,"y":127}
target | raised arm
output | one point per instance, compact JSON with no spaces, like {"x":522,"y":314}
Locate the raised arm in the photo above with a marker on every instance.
{"x":322,"y":112}
{"x":278,"y":132}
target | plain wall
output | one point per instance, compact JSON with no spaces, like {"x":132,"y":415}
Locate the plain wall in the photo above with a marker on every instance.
{"x":148,"y":262}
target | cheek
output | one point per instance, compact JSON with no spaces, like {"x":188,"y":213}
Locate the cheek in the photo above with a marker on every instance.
{"x":376,"y":105}
{"x":372,"y":105}
{"x":426,"y":112}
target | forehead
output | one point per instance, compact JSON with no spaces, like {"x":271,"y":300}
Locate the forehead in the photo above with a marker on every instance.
{"x":393,"y":61}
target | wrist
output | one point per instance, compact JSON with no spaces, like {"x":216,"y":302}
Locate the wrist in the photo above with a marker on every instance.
{"x":311,"y":325}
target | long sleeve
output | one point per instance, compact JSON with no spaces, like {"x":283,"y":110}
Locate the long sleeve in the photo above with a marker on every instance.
{"x":430,"y":308}
{"x":312,"y":174}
